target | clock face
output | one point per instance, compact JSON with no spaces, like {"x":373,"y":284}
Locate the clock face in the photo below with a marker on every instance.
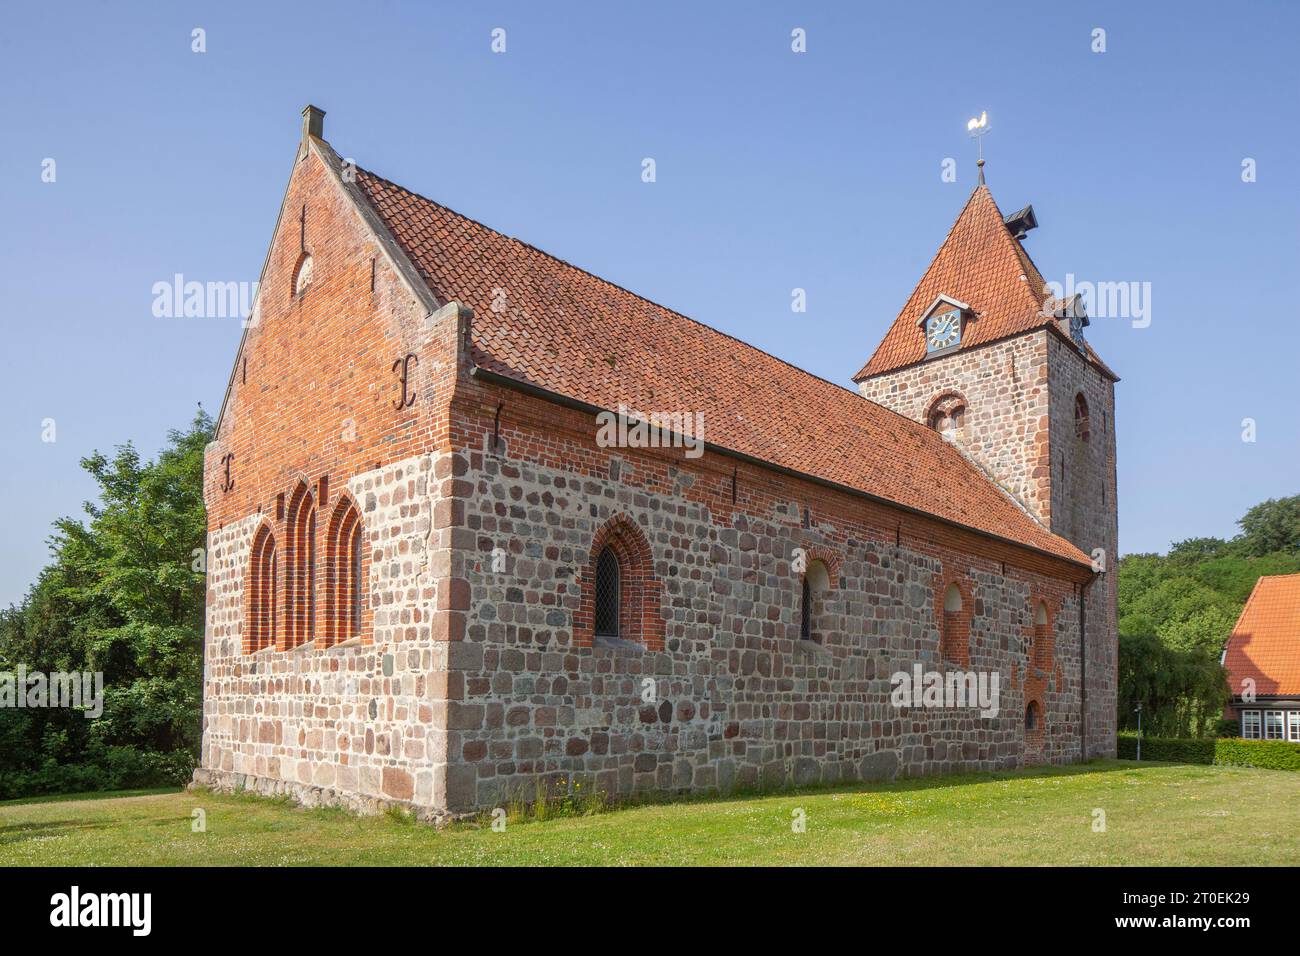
{"x":943,"y":330}
{"x":1076,"y":329}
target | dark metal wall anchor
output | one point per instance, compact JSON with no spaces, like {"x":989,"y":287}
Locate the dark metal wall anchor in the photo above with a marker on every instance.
{"x":407,"y":398}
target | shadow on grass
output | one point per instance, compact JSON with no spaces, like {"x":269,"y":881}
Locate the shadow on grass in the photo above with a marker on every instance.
{"x":897,"y":785}
{"x":89,"y":795}
{"x":22,"y":832}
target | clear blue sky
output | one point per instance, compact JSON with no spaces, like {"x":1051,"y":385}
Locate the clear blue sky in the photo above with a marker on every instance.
{"x":775,"y":171}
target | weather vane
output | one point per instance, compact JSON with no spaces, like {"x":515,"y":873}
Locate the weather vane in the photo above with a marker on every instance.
{"x":977,"y":128}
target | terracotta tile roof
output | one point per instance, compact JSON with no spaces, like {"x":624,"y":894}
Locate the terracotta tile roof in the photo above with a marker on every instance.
{"x":569,"y":332}
{"x":1265,"y":644}
{"x":982,"y":264}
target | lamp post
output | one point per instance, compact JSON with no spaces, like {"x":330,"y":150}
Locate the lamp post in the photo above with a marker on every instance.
{"x":1138,"y":711}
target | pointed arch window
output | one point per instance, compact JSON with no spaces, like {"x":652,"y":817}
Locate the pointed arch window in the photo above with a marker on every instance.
{"x":300,"y":566}
{"x":1081,"y":423}
{"x":608,"y":588}
{"x":954,"y":617}
{"x":344,"y":573}
{"x":1042,"y":650}
{"x":261,"y":592}
{"x":621,"y":595}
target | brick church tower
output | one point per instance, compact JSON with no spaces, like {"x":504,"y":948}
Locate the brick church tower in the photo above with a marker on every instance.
{"x":984,"y":354}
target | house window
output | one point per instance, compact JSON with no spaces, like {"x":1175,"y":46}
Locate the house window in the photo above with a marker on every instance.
{"x":1250,"y":726}
{"x":261,"y":590}
{"x":1293,"y":725}
{"x":1081,"y":429}
{"x":343,"y":573}
{"x":608,"y":593}
{"x":1272,"y":725}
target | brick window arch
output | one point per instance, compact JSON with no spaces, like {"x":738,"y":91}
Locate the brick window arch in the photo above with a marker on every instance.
{"x":345,"y":573}
{"x":1081,"y":417}
{"x":261,"y":592}
{"x":818,"y":578}
{"x":953,"y":612}
{"x":302,"y":274}
{"x":300,"y":568}
{"x":620,"y":545}
{"x":608,"y":592}
{"x":1034,"y":724}
{"x":1041,"y":648}
{"x":946,"y":414}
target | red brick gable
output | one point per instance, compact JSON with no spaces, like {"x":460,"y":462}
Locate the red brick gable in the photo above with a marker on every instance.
{"x":1265,"y":644}
{"x":543,"y":322}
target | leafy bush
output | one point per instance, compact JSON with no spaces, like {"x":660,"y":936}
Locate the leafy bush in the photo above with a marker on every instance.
{"x":1266,"y":754}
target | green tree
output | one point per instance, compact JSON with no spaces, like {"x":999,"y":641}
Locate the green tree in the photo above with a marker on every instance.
{"x":124,"y":596}
{"x":1270,"y":527}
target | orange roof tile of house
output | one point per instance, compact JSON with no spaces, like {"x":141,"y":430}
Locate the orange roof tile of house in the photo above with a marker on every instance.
{"x":1265,"y":644}
{"x":983,"y":265}
{"x":573,"y":334}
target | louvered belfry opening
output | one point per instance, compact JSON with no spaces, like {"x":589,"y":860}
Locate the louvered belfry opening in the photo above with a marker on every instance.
{"x":608,"y":586}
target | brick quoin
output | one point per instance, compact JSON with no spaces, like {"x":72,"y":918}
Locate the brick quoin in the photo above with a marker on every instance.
{"x":481,"y":507}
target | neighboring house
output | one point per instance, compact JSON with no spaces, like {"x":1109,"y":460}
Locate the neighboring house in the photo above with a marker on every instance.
{"x":1262,"y":658}
{"x":438,"y":577}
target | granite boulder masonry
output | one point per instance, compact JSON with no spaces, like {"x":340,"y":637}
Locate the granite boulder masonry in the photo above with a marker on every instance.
{"x":435,"y":581}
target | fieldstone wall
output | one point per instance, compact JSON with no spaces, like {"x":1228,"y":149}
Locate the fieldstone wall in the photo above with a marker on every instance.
{"x":1020,"y":427}
{"x":365,"y":718}
{"x":1084,"y":511}
{"x":735,"y":699}
{"x":1005,"y":387}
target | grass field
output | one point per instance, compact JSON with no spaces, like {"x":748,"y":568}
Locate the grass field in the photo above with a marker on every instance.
{"x":1154,"y":814}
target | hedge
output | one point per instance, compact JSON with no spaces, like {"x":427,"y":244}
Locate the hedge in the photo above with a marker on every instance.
{"x":1267,"y":754}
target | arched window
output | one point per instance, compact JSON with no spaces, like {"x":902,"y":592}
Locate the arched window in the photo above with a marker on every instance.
{"x":300,"y":566}
{"x":1033,"y":724}
{"x":1041,"y":652}
{"x":1081,"y":428}
{"x":621,"y":595}
{"x":955,"y":616}
{"x":947,"y":415}
{"x":608,"y":592}
{"x":816,"y":582}
{"x":343,"y":573}
{"x":302,"y":275}
{"x":260,"y":592}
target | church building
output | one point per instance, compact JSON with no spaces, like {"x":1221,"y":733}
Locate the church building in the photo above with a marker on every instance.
{"x":482,"y":523}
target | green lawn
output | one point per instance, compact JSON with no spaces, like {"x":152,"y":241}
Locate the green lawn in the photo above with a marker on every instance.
{"x":1154,"y":814}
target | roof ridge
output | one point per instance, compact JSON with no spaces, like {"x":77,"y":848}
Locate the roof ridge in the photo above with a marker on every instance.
{"x":615,"y":285}
{"x":866,"y":447}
